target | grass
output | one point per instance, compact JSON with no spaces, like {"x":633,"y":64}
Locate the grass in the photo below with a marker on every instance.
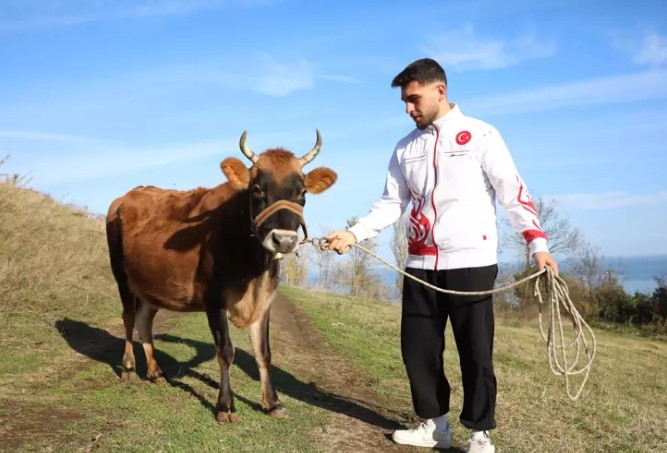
{"x":139,"y":416}
{"x":59,"y":389}
{"x":624,"y":406}
{"x":53,"y":263}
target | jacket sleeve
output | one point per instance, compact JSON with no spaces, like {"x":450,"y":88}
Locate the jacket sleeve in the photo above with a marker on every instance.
{"x":388,"y":208}
{"x":499,"y":167}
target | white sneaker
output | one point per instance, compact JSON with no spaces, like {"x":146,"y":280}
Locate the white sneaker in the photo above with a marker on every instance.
{"x":424,"y":435}
{"x":480,"y":442}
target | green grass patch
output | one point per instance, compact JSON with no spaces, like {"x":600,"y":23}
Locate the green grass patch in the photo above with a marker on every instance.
{"x":140,"y":416}
{"x":624,"y":406}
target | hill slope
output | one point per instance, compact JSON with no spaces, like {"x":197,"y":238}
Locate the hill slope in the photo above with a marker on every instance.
{"x":336,"y":366}
{"x":53,"y":264}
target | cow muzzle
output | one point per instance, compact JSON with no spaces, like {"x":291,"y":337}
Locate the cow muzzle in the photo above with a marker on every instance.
{"x":280,"y":242}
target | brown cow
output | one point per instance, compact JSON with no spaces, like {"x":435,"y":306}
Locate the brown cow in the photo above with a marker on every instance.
{"x":212,"y":250}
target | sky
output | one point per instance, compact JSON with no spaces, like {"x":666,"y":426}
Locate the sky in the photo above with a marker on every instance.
{"x":97,"y":97}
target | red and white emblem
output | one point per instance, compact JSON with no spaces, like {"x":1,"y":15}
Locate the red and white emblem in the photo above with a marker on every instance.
{"x":463,"y":137}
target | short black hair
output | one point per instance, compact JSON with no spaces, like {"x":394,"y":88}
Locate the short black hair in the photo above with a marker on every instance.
{"x":423,"y":71}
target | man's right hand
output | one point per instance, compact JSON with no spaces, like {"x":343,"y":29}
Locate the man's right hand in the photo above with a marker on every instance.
{"x":340,"y":241}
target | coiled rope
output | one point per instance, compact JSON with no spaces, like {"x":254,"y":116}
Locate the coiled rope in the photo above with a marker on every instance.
{"x":557,"y":300}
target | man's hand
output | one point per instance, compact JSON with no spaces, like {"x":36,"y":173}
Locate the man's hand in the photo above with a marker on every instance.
{"x":545,"y":259}
{"x":340,"y":241}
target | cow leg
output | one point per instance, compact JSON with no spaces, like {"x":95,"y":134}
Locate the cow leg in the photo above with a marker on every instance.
{"x":224,"y":351}
{"x":115,"y":240}
{"x":129,"y":313}
{"x":128,"y":371}
{"x":259,"y":337}
{"x":145,"y":316}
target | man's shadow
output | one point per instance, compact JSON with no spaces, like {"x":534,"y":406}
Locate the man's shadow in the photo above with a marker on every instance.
{"x":100,"y":345}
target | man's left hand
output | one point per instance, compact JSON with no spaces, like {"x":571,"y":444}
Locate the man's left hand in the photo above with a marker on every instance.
{"x":545,"y":259}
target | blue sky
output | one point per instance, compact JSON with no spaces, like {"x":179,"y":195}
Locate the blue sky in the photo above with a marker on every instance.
{"x":98,"y":97}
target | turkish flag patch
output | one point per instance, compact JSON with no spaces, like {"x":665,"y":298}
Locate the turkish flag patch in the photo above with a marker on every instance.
{"x":463,"y":137}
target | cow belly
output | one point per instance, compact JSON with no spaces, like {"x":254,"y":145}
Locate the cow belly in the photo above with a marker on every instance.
{"x":166,"y":291}
{"x":176,"y":300}
{"x":164,"y":279}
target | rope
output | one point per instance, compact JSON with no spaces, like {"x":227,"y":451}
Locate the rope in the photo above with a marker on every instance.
{"x":557,"y":299}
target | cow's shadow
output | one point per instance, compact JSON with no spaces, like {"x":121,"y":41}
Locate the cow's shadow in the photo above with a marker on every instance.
{"x":100,"y":345}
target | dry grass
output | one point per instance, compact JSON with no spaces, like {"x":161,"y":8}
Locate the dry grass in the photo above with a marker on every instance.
{"x":53,"y":264}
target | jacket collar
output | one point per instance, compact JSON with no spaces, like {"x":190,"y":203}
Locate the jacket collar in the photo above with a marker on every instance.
{"x":446,"y":119}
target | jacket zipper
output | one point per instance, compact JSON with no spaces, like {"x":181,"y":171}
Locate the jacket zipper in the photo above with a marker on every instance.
{"x":435,"y":184}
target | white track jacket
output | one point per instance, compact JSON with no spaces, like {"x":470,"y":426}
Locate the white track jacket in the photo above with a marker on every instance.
{"x":452,"y":172}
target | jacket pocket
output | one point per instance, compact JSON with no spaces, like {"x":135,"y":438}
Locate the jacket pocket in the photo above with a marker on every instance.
{"x":415,"y":169}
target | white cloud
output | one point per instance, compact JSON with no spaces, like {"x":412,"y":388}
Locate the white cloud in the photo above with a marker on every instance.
{"x":262,"y":73}
{"x":34,"y":14}
{"x":282,"y":78}
{"x":653,"y":51}
{"x":607,"y":200}
{"x":463,"y":49}
{"x":643,"y":86}
{"x":650,"y":50}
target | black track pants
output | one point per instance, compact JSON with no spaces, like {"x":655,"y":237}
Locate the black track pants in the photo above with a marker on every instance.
{"x":423,"y":321}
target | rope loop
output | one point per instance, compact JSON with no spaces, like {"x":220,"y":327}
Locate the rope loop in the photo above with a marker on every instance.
{"x":565,"y":358}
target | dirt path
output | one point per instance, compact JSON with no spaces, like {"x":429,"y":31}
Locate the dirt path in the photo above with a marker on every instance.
{"x":361,"y":419}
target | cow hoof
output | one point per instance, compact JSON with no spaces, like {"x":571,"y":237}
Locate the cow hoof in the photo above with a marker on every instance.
{"x":278,"y":412}
{"x":128,"y":375}
{"x":227,"y":417}
{"x":161,"y":380}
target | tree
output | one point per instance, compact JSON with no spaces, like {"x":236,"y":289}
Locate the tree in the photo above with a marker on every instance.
{"x":563,"y":237}
{"x":355,"y":274}
{"x":294,"y":268}
{"x":659,"y":299}
{"x":588,"y":266}
{"x":615,"y":304}
{"x":360,"y":265}
{"x":399,"y":246}
{"x":324,"y":260}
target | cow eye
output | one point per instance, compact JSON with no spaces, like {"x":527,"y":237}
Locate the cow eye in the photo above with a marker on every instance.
{"x":257,"y":191}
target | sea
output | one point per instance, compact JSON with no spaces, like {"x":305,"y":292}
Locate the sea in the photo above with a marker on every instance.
{"x":637,"y":273}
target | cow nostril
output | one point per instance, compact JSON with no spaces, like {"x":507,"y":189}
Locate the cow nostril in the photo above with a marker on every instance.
{"x":281,"y":241}
{"x":284,"y":241}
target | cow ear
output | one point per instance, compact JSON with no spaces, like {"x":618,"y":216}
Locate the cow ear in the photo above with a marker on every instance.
{"x":237,"y":173}
{"x":320,"y":179}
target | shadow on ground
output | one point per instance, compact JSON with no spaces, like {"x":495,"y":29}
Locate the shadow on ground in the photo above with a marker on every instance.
{"x":102,"y":346}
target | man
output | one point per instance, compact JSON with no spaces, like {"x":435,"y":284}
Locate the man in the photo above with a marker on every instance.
{"x":451,"y":168}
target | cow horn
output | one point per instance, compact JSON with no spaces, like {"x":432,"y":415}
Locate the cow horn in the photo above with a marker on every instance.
{"x":247,"y":152}
{"x":310,"y":155}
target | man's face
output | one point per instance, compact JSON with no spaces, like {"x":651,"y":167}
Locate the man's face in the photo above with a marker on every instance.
{"x":422,"y":102}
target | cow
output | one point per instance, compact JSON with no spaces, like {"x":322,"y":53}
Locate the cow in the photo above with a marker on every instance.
{"x":213,"y":250}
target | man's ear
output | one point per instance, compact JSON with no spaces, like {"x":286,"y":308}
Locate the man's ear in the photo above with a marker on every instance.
{"x":442,"y":90}
{"x":237,"y":173}
{"x":320,"y":179}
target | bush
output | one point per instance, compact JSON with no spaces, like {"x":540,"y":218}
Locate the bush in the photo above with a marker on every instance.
{"x":659,"y":300}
